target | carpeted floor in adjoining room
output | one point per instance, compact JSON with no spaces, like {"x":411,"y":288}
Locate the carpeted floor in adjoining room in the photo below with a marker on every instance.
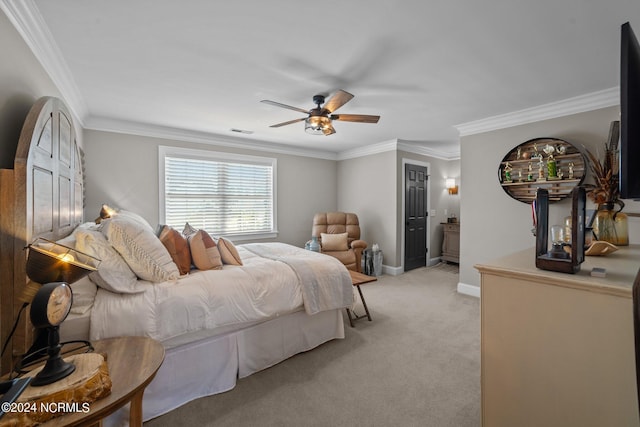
{"x":416,"y":364}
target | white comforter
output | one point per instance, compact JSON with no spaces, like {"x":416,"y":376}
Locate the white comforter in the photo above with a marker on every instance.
{"x":264,"y":287}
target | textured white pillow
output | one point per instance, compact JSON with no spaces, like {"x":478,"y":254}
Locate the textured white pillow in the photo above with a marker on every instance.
{"x":140,"y":248}
{"x":84,"y":293}
{"x":134,"y":216}
{"x":335,"y":242}
{"x":113,"y":272}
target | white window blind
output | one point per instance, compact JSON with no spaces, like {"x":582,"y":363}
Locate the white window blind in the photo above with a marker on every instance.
{"x":225,"y":195}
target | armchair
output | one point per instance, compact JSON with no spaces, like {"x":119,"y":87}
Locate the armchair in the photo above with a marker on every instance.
{"x":334,"y":225}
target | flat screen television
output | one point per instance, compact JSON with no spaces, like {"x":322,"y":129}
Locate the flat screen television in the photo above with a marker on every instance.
{"x":629,"y":114}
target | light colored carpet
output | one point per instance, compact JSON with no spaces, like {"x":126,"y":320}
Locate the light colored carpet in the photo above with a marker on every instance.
{"x":416,"y":364}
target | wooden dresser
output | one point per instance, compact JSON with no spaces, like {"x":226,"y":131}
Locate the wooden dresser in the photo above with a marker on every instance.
{"x":451,"y":242}
{"x":558,"y":349}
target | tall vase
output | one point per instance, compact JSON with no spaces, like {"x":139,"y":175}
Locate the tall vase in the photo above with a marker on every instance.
{"x":610,"y":225}
{"x":314,"y":245}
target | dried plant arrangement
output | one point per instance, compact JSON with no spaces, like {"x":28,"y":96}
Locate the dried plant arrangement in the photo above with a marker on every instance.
{"x":605,"y":190}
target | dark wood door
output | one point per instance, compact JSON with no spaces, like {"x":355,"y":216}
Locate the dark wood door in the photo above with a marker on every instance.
{"x":415,"y":216}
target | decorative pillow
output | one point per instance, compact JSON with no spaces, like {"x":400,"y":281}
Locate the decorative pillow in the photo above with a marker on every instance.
{"x":84,"y":293}
{"x":177,"y":246}
{"x":113,"y":272}
{"x":135,"y":217}
{"x":334,"y":242}
{"x":188,"y":230}
{"x":140,"y":248}
{"x":228,"y":252}
{"x":204,"y":252}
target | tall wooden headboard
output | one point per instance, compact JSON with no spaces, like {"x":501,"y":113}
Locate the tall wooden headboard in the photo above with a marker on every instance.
{"x":42,"y":196}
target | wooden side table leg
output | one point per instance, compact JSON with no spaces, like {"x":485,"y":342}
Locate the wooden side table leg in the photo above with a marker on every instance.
{"x":350,"y":318}
{"x":135,"y":412}
{"x":364,"y":303}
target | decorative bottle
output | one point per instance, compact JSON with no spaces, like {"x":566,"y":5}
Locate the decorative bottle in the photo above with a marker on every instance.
{"x":314,"y":245}
{"x":610,"y":225}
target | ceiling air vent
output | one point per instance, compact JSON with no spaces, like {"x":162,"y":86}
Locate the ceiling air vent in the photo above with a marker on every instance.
{"x":248,"y":132}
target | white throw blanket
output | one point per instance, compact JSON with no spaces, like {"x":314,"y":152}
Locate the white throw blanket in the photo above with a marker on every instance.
{"x":325,"y":281}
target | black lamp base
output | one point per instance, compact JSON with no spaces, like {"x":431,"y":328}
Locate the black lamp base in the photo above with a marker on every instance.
{"x":55,"y":369}
{"x":558,"y":252}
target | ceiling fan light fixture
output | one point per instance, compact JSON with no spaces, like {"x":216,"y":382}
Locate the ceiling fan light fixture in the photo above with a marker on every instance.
{"x":318,"y":125}
{"x":318,"y":121}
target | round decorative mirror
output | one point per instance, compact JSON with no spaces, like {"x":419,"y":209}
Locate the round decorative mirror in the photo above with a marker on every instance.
{"x":550,"y":163}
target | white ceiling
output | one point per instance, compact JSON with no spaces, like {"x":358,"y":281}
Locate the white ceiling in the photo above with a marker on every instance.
{"x":424,"y":66}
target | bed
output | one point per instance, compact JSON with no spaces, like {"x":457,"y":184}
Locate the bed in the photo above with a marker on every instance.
{"x":216,"y":325}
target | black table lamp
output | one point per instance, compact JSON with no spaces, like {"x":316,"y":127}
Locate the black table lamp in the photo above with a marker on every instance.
{"x":55,"y":267}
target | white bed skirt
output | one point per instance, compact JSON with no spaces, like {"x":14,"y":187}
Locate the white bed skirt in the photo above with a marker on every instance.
{"x":211,"y":365}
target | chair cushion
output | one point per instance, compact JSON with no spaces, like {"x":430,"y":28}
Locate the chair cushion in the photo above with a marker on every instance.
{"x":348,"y":258}
{"x":336,"y":223}
{"x":334,"y":242}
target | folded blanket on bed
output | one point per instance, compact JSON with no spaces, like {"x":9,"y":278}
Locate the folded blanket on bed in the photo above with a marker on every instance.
{"x":324,"y":281}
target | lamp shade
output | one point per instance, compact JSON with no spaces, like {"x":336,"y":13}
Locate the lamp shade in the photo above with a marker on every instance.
{"x":49,"y":261}
{"x":318,"y":125}
{"x":450,"y":184}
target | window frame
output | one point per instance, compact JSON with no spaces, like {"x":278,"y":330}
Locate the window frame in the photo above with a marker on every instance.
{"x":222,"y":156}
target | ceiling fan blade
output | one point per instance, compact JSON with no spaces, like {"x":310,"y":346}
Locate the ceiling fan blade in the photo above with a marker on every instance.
{"x":338,"y":100}
{"x":287,"y":123}
{"x":277,"y":104}
{"x":360,"y":118}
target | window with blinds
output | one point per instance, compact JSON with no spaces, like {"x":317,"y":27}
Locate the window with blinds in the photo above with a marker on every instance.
{"x":222,"y":193}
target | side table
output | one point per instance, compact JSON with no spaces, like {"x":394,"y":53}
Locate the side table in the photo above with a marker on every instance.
{"x":133,"y":363}
{"x":358,"y":279}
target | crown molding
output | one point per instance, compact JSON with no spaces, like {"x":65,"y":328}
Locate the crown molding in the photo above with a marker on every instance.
{"x":427,"y":151}
{"x":26,"y":18}
{"x":176,"y":134}
{"x":394,"y":145}
{"x":381,"y":147}
{"x":579,"y":104}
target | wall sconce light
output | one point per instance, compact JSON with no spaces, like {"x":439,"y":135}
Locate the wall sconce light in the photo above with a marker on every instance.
{"x":450,"y":183}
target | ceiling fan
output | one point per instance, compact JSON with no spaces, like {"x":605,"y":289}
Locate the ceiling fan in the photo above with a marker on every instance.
{"x":318,"y":120}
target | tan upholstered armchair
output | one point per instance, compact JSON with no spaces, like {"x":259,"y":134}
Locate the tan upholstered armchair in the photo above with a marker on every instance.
{"x":347,"y":248}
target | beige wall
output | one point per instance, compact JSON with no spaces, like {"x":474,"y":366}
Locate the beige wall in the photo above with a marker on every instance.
{"x":372,"y":186}
{"x":367,"y":187}
{"x":494,"y":224}
{"x":22,"y":81}
{"x":122,"y":170}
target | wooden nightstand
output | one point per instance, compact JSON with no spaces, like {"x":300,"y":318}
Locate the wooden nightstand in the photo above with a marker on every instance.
{"x":133,"y":363}
{"x":451,"y":242}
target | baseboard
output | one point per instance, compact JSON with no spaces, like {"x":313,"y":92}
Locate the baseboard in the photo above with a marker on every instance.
{"x":472,"y":290}
{"x":396,"y":271}
{"x":433,"y":261}
{"x":392,"y":271}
